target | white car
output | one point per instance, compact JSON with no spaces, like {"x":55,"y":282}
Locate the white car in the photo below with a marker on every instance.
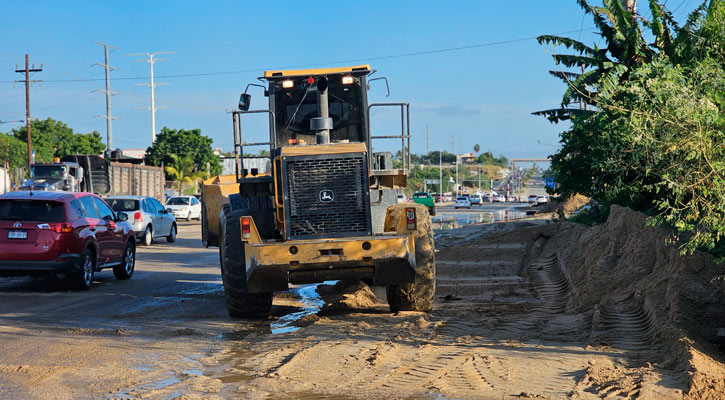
{"x":499,"y":198}
{"x":186,"y":207}
{"x":463,"y":201}
{"x":402,"y":198}
{"x":542,"y":199}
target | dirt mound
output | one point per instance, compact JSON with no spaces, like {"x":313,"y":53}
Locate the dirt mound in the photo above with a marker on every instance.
{"x":637,"y":284}
{"x":346,"y":295}
{"x":564,"y":207}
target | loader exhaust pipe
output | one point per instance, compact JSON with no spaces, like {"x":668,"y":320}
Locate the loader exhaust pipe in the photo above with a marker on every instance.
{"x":322,"y":124}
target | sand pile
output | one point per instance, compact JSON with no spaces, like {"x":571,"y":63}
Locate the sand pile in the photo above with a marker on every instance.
{"x":346,"y":295}
{"x":563,"y":207}
{"x":624,"y":272}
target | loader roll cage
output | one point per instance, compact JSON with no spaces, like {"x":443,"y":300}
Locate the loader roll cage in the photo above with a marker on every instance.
{"x":292,"y":107}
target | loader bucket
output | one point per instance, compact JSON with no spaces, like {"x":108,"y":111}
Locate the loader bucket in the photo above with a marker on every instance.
{"x":214,"y":194}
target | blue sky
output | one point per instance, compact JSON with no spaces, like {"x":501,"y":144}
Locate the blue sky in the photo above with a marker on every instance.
{"x":481,"y":95}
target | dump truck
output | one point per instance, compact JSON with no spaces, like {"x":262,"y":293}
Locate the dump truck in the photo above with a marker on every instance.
{"x":328,"y":208}
{"x":94,"y":174}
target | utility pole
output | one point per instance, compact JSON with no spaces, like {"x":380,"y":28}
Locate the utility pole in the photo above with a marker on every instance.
{"x":440,"y":172}
{"x":454,"y":153}
{"x":427,"y":139}
{"x":151,"y":59}
{"x":108,"y":116}
{"x":27,"y":82}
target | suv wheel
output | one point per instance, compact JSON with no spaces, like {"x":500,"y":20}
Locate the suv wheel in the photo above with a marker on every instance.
{"x":84,"y":278}
{"x":125,"y":269}
{"x":148,"y":236}
{"x":172,"y":234}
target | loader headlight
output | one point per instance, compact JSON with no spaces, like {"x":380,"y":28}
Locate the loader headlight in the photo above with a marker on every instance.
{"x":348,"y":80}
{"x":287,"y":84}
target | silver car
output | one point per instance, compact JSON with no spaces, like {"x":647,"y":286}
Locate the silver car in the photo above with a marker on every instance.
{"x":147,"y":216}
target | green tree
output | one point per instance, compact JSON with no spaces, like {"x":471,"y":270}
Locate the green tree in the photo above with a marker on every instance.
{"x":13,"y":150}
{"x":654,"y":141}
{"x":181,"y":170}
{"x":51,"y":138}
{"x":183,"y":143}
{"x":476,"y":148}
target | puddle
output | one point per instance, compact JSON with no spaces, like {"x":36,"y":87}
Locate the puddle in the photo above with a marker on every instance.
{"x":157,"y":385}
{"x":453,"y":221}
{"x":206,"y":288}
{"x":311,"y":304}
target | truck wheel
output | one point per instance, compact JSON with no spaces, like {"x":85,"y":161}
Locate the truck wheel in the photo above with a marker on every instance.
{"x":240,"y":303}
{"x":419,"y":295}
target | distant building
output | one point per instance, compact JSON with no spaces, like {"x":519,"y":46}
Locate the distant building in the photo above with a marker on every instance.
{"x":467,"y":158}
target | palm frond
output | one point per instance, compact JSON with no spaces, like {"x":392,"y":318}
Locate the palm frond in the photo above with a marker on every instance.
{"x":568,"y":43}
{"x":610,"y":81}
{"x":565,"y":75}
{"x":570,"y":60}
{"x":556,"y":115}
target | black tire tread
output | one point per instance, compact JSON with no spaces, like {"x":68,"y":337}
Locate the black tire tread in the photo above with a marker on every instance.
{"x":419,"y":295}
{"x":240,"y":303}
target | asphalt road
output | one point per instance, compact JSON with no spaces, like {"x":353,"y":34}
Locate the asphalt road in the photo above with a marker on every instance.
{"x":183,"y":274}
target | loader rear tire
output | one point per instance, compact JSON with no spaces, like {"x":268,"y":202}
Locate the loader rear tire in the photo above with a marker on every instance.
{"x":419,"y":295}
{"x":240,"y":303}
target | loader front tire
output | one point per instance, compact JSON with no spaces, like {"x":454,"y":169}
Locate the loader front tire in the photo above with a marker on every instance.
{"x":240,"y":303}
{"x":419,"y":295}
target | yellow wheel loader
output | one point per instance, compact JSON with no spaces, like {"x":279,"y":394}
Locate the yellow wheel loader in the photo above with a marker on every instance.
{"x":327,"y":207}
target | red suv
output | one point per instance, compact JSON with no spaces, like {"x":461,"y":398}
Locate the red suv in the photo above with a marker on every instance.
{"x":63,"y":233}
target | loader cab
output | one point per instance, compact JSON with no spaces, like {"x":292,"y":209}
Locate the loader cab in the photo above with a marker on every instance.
{"x":293,"y":100}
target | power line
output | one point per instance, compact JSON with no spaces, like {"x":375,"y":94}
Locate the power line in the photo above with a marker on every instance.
{"x":385,"y":57}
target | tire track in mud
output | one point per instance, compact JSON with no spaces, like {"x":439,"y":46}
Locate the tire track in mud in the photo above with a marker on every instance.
{"x":547,"y":318}
{"x":627,"y":324}
{"x":454,"y":372}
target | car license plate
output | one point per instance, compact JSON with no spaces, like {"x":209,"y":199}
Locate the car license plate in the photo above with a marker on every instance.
{"x":17,"y":234}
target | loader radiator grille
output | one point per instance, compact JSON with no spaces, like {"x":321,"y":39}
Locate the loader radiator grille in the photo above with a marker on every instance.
{"x":327,"y":196}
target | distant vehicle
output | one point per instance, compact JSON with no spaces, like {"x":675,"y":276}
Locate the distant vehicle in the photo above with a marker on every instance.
{"x":542,"y":199}
{"x":463,"y":201}
{"x":63,"y":233}
{"x":425,"y":199}
{"x":401,"y":198}
{"x":486,"y":198}
{"x":499,"y":198}
{"x":186,"y":207}
{"x":437,"y":197}
{"x":532,"y":198}
{"x":476,"y":199}
{"x":94,"y":174}
{"x":149,"y":219}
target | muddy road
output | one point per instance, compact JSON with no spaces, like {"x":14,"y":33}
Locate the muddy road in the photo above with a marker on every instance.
{"x":501,"y":329}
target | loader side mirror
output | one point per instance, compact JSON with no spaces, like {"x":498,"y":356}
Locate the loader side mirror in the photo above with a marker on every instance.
{"x":244,"y":100}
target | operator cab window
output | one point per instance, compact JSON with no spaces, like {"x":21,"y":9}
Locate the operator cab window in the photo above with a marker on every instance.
{"x":297,"y":105}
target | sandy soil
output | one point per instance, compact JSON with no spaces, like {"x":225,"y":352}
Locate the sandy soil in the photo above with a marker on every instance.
{"x":524,"y":310}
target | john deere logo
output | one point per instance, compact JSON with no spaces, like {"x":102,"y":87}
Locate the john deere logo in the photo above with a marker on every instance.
{"x":327,"y":196}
